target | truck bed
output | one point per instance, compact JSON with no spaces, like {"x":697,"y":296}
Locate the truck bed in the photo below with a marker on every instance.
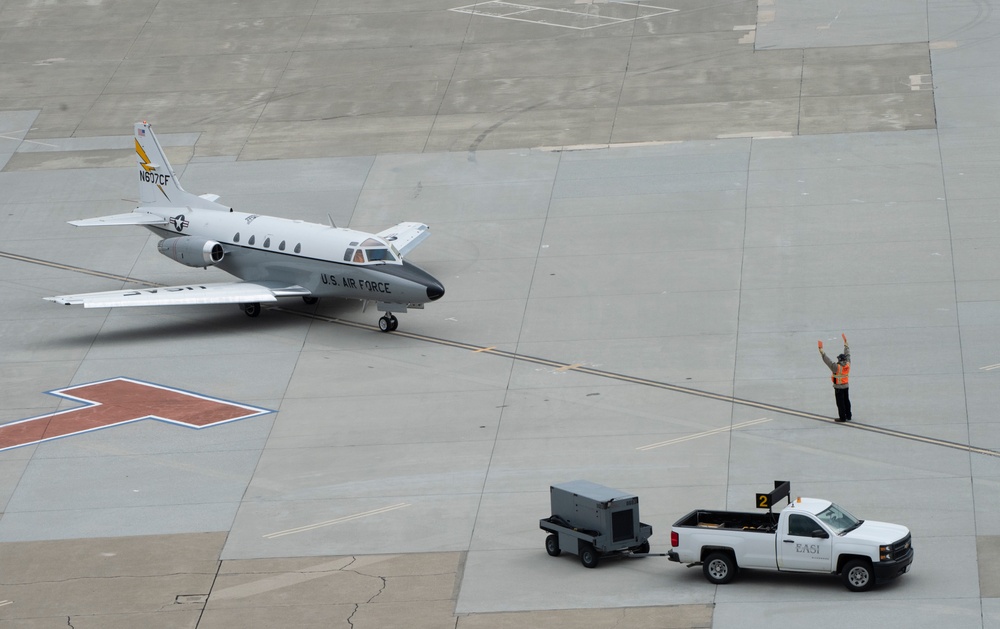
{"x":732,"y":520}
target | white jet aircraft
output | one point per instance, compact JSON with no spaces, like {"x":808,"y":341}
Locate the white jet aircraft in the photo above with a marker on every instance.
{"x":275,"y":257}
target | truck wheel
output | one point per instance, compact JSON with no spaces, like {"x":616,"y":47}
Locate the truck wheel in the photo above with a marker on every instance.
{"x":858,"y":575}
{"x":552,"y":545}
{"x":719,"y":568}
{"x":588,"y":555}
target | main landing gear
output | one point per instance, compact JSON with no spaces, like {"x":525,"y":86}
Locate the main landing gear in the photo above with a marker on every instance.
{"x":388,"y":322}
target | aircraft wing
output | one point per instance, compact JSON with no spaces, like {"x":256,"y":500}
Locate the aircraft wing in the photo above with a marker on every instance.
{"x":405,"y":236}
{"x":222,"y":293}
{"x":131,"y":218}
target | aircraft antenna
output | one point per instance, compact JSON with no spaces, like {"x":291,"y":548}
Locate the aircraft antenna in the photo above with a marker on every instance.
{"x":332,"y":224}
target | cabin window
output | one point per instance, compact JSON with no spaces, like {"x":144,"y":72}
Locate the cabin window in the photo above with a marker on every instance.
{"x":298,"y":248}
{"x":348,"y":254}
{"x":252,"y":239}
{"x":267,"y":242}
{"x":281,"y":247}
{"x":236,"y":238}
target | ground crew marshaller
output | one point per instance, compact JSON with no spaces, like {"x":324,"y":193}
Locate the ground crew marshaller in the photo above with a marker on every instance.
{"x":841,"y":375}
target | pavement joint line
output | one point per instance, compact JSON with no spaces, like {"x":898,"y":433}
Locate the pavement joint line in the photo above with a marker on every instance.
{"x":346,"y":518}
{"x":715,"y":431}
{"x":730,"y":399}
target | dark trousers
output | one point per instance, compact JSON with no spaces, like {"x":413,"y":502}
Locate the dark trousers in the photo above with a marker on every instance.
{"x":843,"y":404}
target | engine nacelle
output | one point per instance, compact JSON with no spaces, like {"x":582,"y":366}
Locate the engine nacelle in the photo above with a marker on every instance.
{"x":191,"y":251}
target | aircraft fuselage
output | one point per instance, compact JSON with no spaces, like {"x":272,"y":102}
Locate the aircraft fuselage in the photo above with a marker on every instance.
{"x":319,"y":258}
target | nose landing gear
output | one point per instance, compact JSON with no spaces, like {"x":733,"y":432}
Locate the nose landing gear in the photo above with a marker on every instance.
{"x":388,"y":322}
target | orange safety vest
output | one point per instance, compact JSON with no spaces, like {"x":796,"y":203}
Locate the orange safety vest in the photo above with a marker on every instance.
{"x":843,"y":374}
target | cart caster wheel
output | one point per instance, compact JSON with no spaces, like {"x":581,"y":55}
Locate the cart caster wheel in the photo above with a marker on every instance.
{"x":589,"y":556}
{"x":552,"y":545}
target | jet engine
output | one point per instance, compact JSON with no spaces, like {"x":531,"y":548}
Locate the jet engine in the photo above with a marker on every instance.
{"x":191,"y":251}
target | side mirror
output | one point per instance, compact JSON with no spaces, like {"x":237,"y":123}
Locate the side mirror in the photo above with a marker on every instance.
{"x":820,"y":533}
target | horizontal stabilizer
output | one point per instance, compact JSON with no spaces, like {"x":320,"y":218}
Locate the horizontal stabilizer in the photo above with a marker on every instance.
{"x":405,"y":236}
{"x":132,"y":218}
{"x":223,"y":293}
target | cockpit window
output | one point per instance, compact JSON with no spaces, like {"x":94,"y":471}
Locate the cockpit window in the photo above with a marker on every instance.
{"x":348,"y":255}
{"x":359,"y":256}
{"x":379,"y":254}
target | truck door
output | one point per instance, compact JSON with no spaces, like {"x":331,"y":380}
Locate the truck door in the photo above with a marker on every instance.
{"x":800,"y":549}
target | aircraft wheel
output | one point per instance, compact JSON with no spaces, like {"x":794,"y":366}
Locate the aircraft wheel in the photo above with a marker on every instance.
{"x":385,"y":324}
{"x":251,"y":310}
{"x":309,"y":299}
{"x":394,"y":322}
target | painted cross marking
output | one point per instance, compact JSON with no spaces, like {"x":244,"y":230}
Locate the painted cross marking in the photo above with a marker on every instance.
{"x":121,"y":401}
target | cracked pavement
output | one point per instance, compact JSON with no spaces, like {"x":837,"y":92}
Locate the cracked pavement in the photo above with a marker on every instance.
{"x":180,"y":581}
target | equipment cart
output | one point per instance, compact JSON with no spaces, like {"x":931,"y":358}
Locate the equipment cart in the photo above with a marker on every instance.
{"x":592,"y":520}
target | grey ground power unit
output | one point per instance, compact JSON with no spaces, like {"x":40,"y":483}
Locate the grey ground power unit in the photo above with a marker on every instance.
{"x":592,"y":520}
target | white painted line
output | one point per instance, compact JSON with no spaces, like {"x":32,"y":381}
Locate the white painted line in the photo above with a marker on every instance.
{"x":917,"y":81}
{"x":990,"y":367}
{"x":715,"y":431}
{"x":2,"y":603}
{"x":507,"y":11}
{"x":346,"y":518}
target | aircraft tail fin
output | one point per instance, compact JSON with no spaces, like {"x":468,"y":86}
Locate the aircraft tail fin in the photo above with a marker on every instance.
{"x":158,"y":184}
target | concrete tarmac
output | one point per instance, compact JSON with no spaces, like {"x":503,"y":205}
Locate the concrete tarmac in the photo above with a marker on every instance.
{"x":644,"y":217}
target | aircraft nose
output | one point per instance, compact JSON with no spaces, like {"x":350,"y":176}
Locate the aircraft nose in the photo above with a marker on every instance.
{"x":435,"y":291}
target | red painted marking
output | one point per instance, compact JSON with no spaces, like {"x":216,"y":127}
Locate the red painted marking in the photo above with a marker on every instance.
{"x":120,"y":401}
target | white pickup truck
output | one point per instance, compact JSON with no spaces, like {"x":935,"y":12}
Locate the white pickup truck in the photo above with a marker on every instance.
{"x":809,"y":535}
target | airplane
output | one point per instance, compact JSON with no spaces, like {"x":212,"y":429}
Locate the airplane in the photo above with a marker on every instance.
{"x":274,"y":257}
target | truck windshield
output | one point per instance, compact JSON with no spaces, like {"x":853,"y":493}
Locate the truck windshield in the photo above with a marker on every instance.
{"x":838,"y":519}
